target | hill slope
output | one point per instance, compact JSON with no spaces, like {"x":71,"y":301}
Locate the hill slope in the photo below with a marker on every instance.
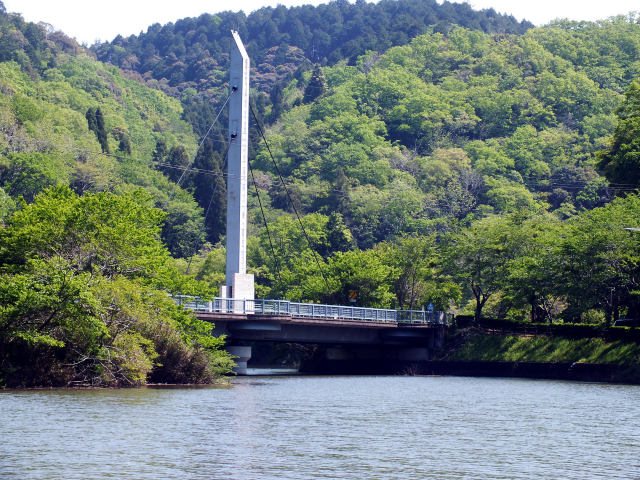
{"x":47,"y":98}
{"x":457,"y":125}
{"x":192,"y":52}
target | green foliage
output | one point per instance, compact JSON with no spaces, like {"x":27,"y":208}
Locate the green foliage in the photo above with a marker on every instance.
{"x":477,"y":257}
{"x":191,"y":51}
{"x":83,"y":283}
{"x":96,"y":125}
{"x":418,"y":280}
{"x":7,"y":206}
{"x":535,"y":263}
{"x":449,"y":128}
{"x":25,"y":109}
{"x":316,"y":87}
{"x":547,"y":349}
{"x":621,"y":162}
{"x":27,"y":174}
{"x":324,"y":236}
{"x":600,"y":258}
{"x":359,"y":271}
{"x":55,"y":146}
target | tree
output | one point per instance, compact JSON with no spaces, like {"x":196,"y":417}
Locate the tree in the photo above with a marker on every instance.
{"x":621,"y":162}
{"x":600,"y":260}
{"x":534,"y":274}
{"x":83,"y":284}
{"x":476,"y":258}
{"x":210,"y":191}
{"x":124,"y":142}
{"x":360,"y":271}
{"x":418,"y":278}
{"x":95,"y":121}
{"x":317,"y":85}
{"x":178,"y":160}
{"x":161,"y":151}
{"x":27,"y":174}
{"x":277,"y":98}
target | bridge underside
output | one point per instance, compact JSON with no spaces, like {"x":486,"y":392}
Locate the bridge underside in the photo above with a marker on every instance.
{"x":277,"y":328}
{"x":341,"y":340}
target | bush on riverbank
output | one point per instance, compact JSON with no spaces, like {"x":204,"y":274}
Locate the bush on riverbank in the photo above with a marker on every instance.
{"x":511,"y":348}
{"x":84,"y":283}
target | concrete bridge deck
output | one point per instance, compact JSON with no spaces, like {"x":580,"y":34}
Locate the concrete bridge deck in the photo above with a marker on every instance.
{"x":347,"y":328}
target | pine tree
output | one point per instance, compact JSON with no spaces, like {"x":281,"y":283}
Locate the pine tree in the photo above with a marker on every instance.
{"x":101,"y":131}
{"x":160,"y":153}
{"x":317,"y":85}
{"x":277,"y":98}
{"x":95,"y":120}
{"x":125,"y":144}
{"x":91,"y":119}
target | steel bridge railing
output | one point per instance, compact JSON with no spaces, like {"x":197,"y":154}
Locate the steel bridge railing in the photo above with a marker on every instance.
{"x":311,"y":310}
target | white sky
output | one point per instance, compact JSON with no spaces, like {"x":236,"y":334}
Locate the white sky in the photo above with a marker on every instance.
{"x":89,"y":21}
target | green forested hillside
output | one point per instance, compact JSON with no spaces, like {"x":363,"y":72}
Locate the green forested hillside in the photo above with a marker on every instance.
{"x":189,"y":59}
{"x":481,"y":172}
{"x":85,"y":264}
{"x":45,"y":137}
{"x":526,"y":112}
{"x":438,"y":159}
{"x":193,"y":52}
{"x":453,"y":127}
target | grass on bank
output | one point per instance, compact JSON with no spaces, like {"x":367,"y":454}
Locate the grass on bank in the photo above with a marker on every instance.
{"x":497,"y":348}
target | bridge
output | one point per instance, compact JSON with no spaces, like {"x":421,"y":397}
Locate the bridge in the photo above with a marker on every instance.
{"x":346,"y":331}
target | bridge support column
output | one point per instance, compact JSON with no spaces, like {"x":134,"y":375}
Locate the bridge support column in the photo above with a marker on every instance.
{"x":243,"y":355}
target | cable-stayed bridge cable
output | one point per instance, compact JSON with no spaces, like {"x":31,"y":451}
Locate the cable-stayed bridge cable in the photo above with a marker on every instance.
{"x":284,"y":185}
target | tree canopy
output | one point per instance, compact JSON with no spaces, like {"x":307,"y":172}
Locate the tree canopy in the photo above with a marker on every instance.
{"x":84,"y":283}
{"x":621,"y":162}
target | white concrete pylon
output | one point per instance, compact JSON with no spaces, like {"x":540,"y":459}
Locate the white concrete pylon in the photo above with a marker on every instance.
{"x":239,"y":284}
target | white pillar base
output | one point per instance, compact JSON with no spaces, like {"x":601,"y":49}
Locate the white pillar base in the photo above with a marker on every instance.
{"x":243,"y":355}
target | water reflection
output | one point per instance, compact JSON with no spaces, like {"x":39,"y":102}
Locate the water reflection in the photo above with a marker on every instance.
{"x":296,"y":427}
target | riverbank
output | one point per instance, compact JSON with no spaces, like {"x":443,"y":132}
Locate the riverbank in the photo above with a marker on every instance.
{"x":573,"y":371}
{"x":482,"y":352}
{"x":484,"y":347}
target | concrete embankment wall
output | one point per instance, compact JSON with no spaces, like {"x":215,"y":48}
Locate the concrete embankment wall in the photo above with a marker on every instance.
{"x":588,"y":372}
{"x":555,"y":371}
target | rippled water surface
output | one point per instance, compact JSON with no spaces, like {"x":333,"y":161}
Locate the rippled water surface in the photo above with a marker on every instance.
{"x":326,"y":427}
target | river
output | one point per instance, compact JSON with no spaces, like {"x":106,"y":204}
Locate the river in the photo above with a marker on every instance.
{"x":301,"y":427}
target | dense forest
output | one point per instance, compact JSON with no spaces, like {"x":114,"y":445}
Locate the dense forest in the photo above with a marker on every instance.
{"x":89,"y":223}
{"x":410,"y":160}
{"x":453,"y":157}
{"x":194,"y":52}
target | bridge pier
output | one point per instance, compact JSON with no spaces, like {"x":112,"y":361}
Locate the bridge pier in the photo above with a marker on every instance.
{"x":243,"y":355}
